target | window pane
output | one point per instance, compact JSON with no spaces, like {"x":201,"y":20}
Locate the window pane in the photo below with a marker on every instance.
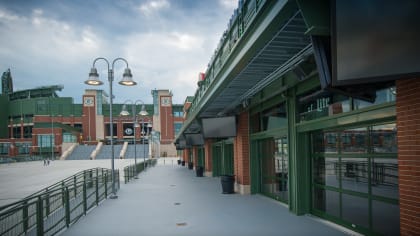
{"x":385,"y":177}
{"x":384,"y":138}
{"x":354,"y":141}
{"x":354,"y":174}
{"x":355,"y":210}
{"x":386,"y":218}
{"x":255,"y":123}
{"x":325,"y":142}
{"x":274,"y":117}
{"x":326,"y":201}
{"x":382,"y":96}
{"x":325,"y":171}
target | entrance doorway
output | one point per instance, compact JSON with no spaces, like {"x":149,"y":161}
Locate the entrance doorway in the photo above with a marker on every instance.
{"x":274,"y":162}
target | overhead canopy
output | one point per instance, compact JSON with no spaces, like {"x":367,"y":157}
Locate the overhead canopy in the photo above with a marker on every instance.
{"x":275,"y":44}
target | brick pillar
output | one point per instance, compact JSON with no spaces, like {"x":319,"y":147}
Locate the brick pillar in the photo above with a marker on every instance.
{"x":186,"y":156}
{"x":408,"y":126}
{"x":120,"y":128}
{"x":207,"y":158}
{"x":241,"y":155}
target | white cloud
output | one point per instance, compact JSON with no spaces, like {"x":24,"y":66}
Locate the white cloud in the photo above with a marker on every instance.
{"x":35,"y":46}
{"x":6,"y":16}
{"x":229,"y":4}
{"x":151,"y":7}
{"x":162,"y":52}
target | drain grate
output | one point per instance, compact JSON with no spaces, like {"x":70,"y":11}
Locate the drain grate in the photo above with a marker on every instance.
{"x":181,"y":224}
{"x":177,"y":203}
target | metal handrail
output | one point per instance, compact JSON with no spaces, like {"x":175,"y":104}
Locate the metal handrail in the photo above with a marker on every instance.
{"x":55,"y":208}
{"x":131,"y":171}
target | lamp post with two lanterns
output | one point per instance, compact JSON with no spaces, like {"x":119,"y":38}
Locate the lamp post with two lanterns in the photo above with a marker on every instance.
{"x":142,"y":113}
{"x":126,"y":81}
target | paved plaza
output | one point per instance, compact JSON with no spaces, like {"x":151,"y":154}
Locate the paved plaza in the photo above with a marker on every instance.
{"x":21,"y":179}
{"x":166,"y":200}
{"x":170,"y":200}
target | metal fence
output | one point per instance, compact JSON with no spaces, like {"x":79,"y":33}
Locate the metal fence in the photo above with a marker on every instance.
{"x":55,"y":208}
{"x":131,"y":171}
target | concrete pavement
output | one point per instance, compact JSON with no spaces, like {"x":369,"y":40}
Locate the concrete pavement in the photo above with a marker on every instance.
{"x":170,"y":200}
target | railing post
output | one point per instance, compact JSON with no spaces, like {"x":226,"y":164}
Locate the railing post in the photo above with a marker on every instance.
{"x":47,"y":202}
{"x":97,"y":190}
{"x":39,"y":217}
{"x":62,"y":192}
{"x":75,"y":185}
{"x":125,"y":174}
{"x":84,"y":198}
{"x":25,"y":216}
{"x":67,"y":204}
{"x":90,"y":179}
{"x":106,"y":186}
{"x":118,"y":178}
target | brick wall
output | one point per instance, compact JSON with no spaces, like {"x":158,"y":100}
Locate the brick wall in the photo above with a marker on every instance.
{"x":186,"y":154}
{"x":241,"y":150}
{"x":408,"y":123}
{"x":207,"y":155}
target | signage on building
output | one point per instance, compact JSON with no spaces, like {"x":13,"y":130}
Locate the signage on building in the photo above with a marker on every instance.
{"x":88,"y":101}
{"x":128,"y":131}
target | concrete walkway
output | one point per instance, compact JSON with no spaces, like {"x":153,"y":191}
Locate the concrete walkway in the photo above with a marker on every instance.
{"x":170,"y":200}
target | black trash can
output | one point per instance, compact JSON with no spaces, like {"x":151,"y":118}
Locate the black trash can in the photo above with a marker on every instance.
{"x":227,"y":183}
{"x":179,"y":162}
{"x":182,"y":163}
{"x":199,"y":171}
{"x":190,"y":165}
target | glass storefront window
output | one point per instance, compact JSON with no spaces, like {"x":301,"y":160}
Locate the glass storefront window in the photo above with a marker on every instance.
{"x":354,"y":141}
{"x":322,"y":105}
{"x":254,"y":124}
{"x":384,"y":138}
{"x":361,"y":174}
{"x":274,"y":162}
{"x":69,"y":138}
{"x":325,"y":142}
{"x":326,"y":201}
{"x":384,"y":177}
{"x":355,"y":210}
{"x":325,"y":171}
{"x":272,"y":118}
{"x":45,"y":140}
{"x":317,"y":104}
{"x":23,"y":148}
{"x":4,"y":148}
{"x":382,"y":96}
{"x":354,"y":174}
{"x":386,"y":218}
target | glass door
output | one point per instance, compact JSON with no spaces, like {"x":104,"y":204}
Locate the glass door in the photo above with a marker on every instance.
{"x":274,"y":168}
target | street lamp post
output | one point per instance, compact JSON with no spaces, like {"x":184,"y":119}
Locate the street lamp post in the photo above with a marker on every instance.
{"x":142,"y":113}
{"x":126,"y":81}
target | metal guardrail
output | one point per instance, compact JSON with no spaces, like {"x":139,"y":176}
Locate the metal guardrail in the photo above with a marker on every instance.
{"x":131,"y":171}
{"x":55,"y":208}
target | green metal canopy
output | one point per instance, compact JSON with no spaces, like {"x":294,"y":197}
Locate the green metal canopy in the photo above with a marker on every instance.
{"x":273,"y":43}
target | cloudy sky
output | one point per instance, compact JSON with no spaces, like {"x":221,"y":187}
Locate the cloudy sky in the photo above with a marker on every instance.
{"x":166,"y":43}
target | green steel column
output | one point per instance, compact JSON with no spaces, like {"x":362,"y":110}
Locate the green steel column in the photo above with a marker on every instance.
{"x":299,"y":162}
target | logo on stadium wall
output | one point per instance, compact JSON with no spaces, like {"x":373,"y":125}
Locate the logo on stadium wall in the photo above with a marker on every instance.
{"x":128,"y":131}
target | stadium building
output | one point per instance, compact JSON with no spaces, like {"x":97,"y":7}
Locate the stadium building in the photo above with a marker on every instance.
{"x":37,"y":123}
